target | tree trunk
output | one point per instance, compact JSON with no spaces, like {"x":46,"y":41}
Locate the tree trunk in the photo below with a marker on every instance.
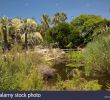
{"x":26,"y":46}
{"x":5,"y":41}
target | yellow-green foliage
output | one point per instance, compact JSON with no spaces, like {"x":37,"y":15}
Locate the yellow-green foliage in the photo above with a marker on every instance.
{"x":77,"y":84}
{"x":19,"y":72}
{"x":76,"y":59}
{"x":97,"y":56}
{"x":92,"y":86}
{"x":75,"y":56}
{"x":69,"y":84}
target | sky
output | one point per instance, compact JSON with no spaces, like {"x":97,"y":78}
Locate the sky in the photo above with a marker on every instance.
{"x":36,"y":8}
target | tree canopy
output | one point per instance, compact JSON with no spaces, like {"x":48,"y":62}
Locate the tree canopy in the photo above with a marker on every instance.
{"x":78,"y":32}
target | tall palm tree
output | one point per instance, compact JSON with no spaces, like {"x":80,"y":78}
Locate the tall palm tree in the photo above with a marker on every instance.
{"x":45,"y":21}
{"x":59,"y":17}
{"x":63,"y":17}
{"x":5,"y":24}
{"x":29,"y":26}
{"x":17,"y":24}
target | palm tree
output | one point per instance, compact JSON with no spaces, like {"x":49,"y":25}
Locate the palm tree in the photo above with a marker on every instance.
{"x":5,"y":24}
{"x":63,"y":17}
{"x":56,"y":18}
{"x":45,"y":21}
{"x":25,"y":30}
{"x":59,"y":17}
{"x":29,"y":26}
{"x":17,"y":24}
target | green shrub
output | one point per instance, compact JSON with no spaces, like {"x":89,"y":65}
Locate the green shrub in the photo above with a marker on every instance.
{"x":92,"y":86}
{"x":78,"y":84}
{"x":75,"y":55}
{"x":97,"y":56}
{"x":73,"y":84}
{"x":76,"y":59}
{"x":19,"y":72}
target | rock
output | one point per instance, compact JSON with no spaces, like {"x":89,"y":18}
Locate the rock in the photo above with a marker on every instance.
{"x":46,"y":72}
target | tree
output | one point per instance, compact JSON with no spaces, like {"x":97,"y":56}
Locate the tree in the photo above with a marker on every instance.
{"x":59,"y":17}
{"x":5,"y":24}
{"x":17,"y":24}
{"x":74,"y":38}
{"x":34,"y":38}
{"x":103,"y":28}
{"x":85,"y":26}
{"x":45,"y":24}
{"x":45,"y":21}
{"x":59,"y":34}
{"x":29,"y":26}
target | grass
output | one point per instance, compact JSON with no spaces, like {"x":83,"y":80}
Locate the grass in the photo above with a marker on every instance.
{"x":19,"y":71}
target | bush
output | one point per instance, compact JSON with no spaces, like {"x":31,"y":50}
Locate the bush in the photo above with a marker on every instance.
{"x":68,"y":84}
{"x":78,"y":84}
{"x":92,"y":86}
{"x":97,"y":56}
{"x":76,"y":59}
{"x":19,"y":72}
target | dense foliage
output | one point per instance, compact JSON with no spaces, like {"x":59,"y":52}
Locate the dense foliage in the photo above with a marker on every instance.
{"x":55,"y":30}
{"x":78,"y":32}
{"x":97,"y":56}
{"x":19,"y":72}
{"x":89,"y":35}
